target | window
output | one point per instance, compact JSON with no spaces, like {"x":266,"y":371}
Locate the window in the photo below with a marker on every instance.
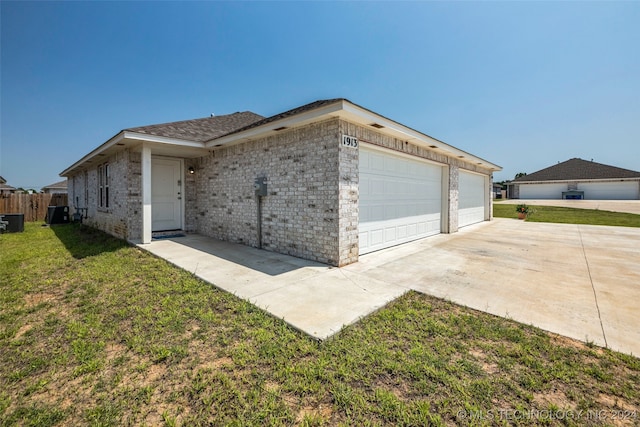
{"x":103,"y":185}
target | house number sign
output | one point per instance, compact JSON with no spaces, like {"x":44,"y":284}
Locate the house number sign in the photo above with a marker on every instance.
{"x":349,"y":141}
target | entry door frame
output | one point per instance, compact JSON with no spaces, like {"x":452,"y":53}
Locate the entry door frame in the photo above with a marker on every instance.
{"x":181,"y":186}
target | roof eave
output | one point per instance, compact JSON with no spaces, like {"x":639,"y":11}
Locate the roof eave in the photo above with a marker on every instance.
{"x":401,"y":131}
{"x":144,"y":137}
{"x":559,"y":181}
{"x":128,"y":138}
{"x":349,"y":111}
{"x":97,"y":151}
{"x":270,"y":127}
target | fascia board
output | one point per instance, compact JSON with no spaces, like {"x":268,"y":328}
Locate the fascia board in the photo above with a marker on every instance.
{"x":411,"y":134}
{"x":131,"y":136}
{"x":162,"y":139}
{"x":347,"y":110}
{"x":269,"y":127}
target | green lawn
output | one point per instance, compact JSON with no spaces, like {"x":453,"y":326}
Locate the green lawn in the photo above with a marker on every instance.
{"x":95,"y":332}
{"x":569,"y":215}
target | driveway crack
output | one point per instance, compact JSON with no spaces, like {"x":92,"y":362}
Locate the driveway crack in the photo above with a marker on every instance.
{"x":593,"y":288}
{"x":352,"y":281}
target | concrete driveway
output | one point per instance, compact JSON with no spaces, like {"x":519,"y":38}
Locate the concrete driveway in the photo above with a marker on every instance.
{"x":575,"y":280}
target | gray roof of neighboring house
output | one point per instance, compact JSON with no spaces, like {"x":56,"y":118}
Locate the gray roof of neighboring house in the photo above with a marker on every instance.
{"x":61,"y":184}
{"x":577,"y":169}
{"x":200,"y":130}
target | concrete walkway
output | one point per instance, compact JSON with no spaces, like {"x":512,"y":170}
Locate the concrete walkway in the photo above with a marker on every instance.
{"x":575,"y":280}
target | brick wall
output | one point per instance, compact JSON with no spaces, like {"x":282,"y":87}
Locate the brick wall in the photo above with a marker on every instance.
{"x":122,"y":215}
{"x":348,"y":187}
{"x":454,"y":193}
{"x":191,"y":196}
{"x":300,"y":214}
{"x":134,"y":195}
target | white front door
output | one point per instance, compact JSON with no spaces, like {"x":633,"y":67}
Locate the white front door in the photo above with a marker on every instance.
{"x":166,"y":194}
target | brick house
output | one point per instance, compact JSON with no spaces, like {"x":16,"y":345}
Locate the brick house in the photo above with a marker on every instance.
{"x":577,"y":179}
{"x":327,"y":181}
{"x":56,"y":188}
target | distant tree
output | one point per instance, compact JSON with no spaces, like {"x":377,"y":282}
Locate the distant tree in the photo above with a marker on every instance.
{"x":25,"y":190}
{"x":519,"y":174}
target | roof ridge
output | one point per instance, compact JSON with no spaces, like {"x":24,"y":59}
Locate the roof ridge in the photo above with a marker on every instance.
{"x":191,"y":120}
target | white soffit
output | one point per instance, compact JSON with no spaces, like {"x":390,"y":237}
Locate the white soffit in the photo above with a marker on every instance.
{"x":355,"y":114}
{"x":270,"y":127}
{"x":160,"y":145}
{"x":390,"y":127}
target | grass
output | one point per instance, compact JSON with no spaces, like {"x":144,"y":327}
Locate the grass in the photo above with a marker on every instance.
{"x":569,"y":215}
{"x":95,"y":332}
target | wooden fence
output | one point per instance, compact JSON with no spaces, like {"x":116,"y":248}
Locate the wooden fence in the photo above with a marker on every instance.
{"x":33,"y":206}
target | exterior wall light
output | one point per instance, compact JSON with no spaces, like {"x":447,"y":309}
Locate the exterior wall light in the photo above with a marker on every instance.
{"x":191,"y":170}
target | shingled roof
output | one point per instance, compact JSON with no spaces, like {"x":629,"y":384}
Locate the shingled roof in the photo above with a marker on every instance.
{"x":200,"y":130}
{"x":577,"y":169}
{"x":57,"y":185}
{"x":289,"y":113}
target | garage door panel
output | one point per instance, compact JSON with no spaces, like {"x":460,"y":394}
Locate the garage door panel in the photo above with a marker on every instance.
{"x":376,"y":162}
{"x":609,"y":190}
{"x":542,"y":191}
{"x":400,"y":199}
{"x":382,"y":234}
{"x":470,"y":216}
{"x":471,"y":198}
{"x":390,"y":234}
{"x":365,"y":185}
{"x":377,"y":236}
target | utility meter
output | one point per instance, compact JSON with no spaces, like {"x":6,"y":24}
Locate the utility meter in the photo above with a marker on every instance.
{"x":260,"y":186}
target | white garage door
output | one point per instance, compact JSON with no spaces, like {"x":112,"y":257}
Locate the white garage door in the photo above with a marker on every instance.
{"x":609,"y":190}
{"x":542,"y":191}
{"x":471,"y":198}
{"x":400,"y":199}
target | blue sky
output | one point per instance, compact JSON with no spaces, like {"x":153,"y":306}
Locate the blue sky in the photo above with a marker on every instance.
{"x":521,"y":84}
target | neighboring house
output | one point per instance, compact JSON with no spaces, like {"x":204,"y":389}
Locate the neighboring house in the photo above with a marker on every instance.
{"x":327,"y":181}
{"x":578,"y":179}
{"x":498,"y":191}
{"x":57,"y":188}
{"x":5,"y":188}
